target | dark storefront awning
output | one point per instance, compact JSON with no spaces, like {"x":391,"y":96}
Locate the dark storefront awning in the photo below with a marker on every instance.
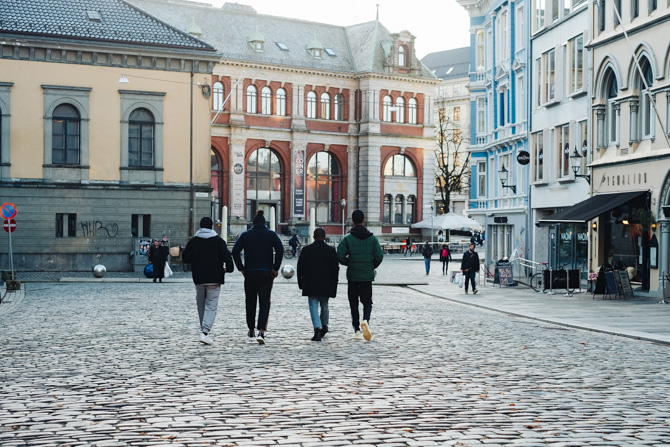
{"x":590,"y":208}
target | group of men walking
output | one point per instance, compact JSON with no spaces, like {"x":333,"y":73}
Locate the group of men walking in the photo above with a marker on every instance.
{"x":317,"y":272}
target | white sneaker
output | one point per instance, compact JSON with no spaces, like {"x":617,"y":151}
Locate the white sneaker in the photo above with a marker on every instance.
{"x":366,"y":330}
{"x":358,"y":335}
{"x":260,"y":338}
{"x":205,"y":339}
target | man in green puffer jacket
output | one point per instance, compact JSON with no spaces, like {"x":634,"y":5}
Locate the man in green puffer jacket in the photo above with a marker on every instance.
{"x":361,"y":253}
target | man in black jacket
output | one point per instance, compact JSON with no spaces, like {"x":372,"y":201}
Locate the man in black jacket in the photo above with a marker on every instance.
{"x":263,"y":251}
{"x":318,"y":270}
{"x":207,"y":253}
{"x":470,"y":266}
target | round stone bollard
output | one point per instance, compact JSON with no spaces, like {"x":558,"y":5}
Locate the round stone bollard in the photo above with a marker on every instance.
{"x":287,"y":272}
{"x":99,"y":271}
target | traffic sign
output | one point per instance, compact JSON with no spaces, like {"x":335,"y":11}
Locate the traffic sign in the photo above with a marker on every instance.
{"x":8,"y":210}
{"x":9,"y":225}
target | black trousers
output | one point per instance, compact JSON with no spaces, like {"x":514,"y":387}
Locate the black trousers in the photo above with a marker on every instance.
{"x":258,"y":286}
{"x":360,"y":290}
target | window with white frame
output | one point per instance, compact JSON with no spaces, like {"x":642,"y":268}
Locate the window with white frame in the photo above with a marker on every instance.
{"x":266,"y":101}
{"x":582,"y":145}
{"x":566,"y":8}
{"x":488,"y":60}
{"x":634,"y":8}
{"x":502,"y":107}
{"x":563,"y":150}
{"x":538,"y":82}
{"x":540,"y":11}
{"x":617,"y":6}
{"x":311,"y":105}
{"x":538,"y":155}
{"x":549,"y":65}
{"x":401,"y":56}
{"x":520,"y":100}
{"x":400,"y":113}
{"x":612,"y":113}
{"x":399,"y":165}
{"x":339,"y":107}
{"x":386,"y":108}
{"x":217,"y":96}
{"x":519,"y":25}
{"x":481,"y":179}
{"x":502,"y":43}
{"x":576,"y":48}
{"x":457,"y":89}
{"x":646,"y":114}
{"x":554,"y":10}
{"x":281,"y":101}
{"x":479,"y":51}
{"x":411,"y":111}
{"x":481,"y":115}
{"x":251,"y":99}
{"x":325,"y":106}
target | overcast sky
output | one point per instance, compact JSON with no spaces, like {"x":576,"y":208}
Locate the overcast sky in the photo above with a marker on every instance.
{"x":437,"y":24}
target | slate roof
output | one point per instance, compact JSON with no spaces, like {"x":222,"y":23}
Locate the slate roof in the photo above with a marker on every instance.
{"x":357,"y":48}
{"x":440,"y":62}
{"x":109,"y":21}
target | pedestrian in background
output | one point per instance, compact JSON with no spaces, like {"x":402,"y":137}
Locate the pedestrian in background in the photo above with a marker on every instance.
{"x":263,"y":251}
{"x":158,"y":258}
{"x":445,"y":258}
{"x":408,"y":246}
{"x":427,"y":252}
{"x":207,"y":253}
{"x":361,"y":253}
{"x":317,"y":272}
{"x":470,"y":266}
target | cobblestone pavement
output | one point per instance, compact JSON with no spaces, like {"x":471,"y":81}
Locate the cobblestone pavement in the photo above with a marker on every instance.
{"x":115,"y":364}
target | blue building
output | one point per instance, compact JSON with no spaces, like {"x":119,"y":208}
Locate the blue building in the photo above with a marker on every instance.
{"x":499,"y":81}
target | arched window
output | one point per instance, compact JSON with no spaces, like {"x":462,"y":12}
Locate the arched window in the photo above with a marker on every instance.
{"x":386,"y":108}
{"x":612,"y":115}
{"x":251,"y":99}
{"x":281,"y":102}
{"x":397,"y":209}
{"x":399,"y":165}
{"x":409,"y":210}
{"x":141,"y":138}
{"x":325,"y":106}
{"x":65,"y":140}
{"x":217,"y":96}
{"x":401,"y":56}
{"x":311,"y":105}
{"x":263,"y":180}
{"x":646,"y":112}
{"x":411,"y":111}
{"x":324,"y":187}
{"x":400,"y":114}
{"x":216,"y":179}
{"x":339,"y":107}
{"x":266,"y":101}
{"x":387,"y":208}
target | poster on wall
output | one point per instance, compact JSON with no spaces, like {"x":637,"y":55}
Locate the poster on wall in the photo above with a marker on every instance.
{"x":299,"y":184}
{"x":237,"y":184}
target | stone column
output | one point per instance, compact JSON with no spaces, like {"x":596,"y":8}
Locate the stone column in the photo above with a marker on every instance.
{"x":600,"y":126}
{"x":352,"y":179}
{"x":634,"y":123}
{"x":369,"y":191}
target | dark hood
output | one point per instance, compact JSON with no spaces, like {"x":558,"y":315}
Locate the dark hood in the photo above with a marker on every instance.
{"x":360,"y":232}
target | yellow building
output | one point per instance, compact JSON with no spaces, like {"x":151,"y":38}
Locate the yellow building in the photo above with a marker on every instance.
{"x":104,"y":132}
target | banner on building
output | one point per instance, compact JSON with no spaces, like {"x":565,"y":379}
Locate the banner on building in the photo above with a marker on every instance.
{"x":237,"y":183}
{"x":299,"y":184}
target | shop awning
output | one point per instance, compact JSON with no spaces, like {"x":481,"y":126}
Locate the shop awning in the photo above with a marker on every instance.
{"x":590,"y":208}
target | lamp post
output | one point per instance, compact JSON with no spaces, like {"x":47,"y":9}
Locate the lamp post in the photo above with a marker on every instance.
{"x":503,"y":174}
{"x":576,"y":163}
{"x":343,"y":202}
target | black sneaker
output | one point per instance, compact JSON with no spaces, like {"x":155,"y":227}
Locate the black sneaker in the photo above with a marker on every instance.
{"x":251,"y":333}
{"x":260,"y":338}
{"x":317,"y":334}
{"x":324,"y":330}
{"x":466,"y":291}
{"x":474,"y":292}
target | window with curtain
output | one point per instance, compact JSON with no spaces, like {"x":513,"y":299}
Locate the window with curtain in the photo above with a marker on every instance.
{"x":217,"y":96}
{"x":386,"y":108}
{"x":325,"y":106}
{"x":266,"y":101}
{"x":324,"y":187}
{"x":339,"y":107}
{"x":141,"y":127}
{"x":65,"y":135}
{"x":399,"y":165}
{"x":400,"y":114}
{"x":311,"y":105}
{"x":281,"y":101}
{"x":251,"y":99}
{"x":411,"y":110}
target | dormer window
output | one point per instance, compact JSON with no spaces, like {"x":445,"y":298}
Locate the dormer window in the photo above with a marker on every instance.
{"x":315,"y":48}
{"x":257,"y":42}
{"x":401,"y":56}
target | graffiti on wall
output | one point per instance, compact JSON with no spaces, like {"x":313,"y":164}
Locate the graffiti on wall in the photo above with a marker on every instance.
{"x":91,"y":228}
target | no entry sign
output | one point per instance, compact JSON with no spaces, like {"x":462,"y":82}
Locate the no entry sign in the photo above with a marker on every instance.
{"x":9,"y":225}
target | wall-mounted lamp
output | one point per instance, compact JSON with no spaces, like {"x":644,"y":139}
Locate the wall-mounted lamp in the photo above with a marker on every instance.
{"x":123,"y":79}
{"x":576,"y":162}
{"x":503,"y":173}
{"x":653,"y":226}
{"x":594,"y":225}
{"x":625,"y":222}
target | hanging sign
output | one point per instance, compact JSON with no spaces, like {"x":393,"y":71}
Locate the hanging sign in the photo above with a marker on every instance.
{"x":523,"y":157}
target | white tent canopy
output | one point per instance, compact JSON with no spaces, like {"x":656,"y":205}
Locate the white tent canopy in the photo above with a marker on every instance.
{"x":449,"y":221}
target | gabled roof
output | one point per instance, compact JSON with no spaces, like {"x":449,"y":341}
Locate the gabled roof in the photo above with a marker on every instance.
{"x":352,"y":49}
{"x":109,"y":21}
{"x":449,"y":64}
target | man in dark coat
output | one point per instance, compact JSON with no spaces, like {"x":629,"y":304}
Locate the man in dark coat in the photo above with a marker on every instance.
{"x":158,"y":257}
{"x":263,"y":251}
{"x":470,"y":267}
{"x":318,"y":270}
{"x":207,"y":253}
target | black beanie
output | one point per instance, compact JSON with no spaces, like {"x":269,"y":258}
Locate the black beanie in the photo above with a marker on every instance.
{"x":206,"y":222}
{"x":259,"y":218}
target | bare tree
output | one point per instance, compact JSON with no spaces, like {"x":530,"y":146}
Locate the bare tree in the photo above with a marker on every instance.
{"x":453,"y":161}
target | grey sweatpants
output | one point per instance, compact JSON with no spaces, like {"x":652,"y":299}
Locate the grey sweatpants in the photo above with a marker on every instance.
{"x":207,"y":298}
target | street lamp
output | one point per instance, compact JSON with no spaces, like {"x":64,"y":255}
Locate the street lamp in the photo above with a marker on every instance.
{"x":504,"y":173}
{"x":576,"y":162}
{"x":343,"y":202}
{"x":432,"y":230}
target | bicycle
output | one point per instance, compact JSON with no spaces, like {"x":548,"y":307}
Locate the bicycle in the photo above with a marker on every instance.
{"x":555,"y":279}
{"x":288,"y":251}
